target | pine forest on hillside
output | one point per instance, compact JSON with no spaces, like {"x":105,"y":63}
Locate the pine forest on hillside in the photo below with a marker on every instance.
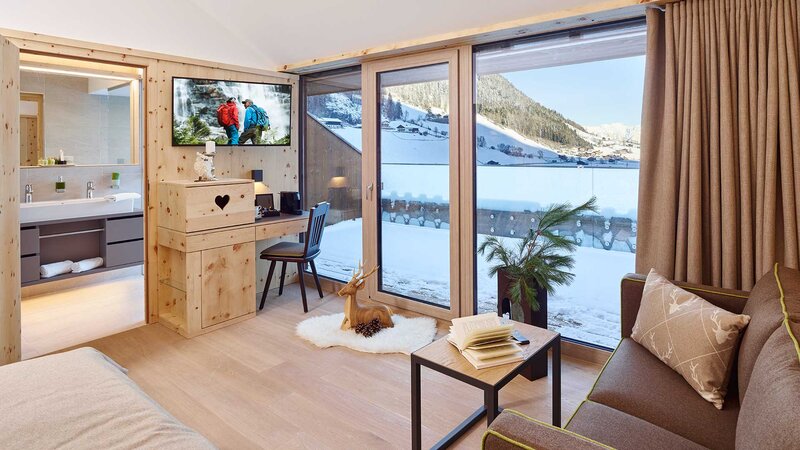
{"x":504,"y":105}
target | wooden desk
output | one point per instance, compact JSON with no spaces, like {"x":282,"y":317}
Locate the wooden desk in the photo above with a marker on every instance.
{"x":280,"y":226}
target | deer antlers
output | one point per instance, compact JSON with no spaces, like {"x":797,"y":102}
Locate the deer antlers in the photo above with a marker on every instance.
{"x":357,"y":281}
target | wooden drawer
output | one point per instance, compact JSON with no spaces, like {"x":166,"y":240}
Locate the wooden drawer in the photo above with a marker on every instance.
{"x":276,"y":229}
{"x":29,"y":269}
{"x":124,"y":253}
{"x":124,"y":229}
{"x":29,"y":241}
{"x":189,"y":206}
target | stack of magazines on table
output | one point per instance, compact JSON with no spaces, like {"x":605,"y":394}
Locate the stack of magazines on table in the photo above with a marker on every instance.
{"x":485,"y":341}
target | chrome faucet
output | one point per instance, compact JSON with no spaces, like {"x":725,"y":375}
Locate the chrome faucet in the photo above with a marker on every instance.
{"x":90,"y":189}
{"x":28,"y":193}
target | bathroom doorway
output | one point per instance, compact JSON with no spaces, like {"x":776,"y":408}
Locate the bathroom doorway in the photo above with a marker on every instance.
{"x":82,"y":182}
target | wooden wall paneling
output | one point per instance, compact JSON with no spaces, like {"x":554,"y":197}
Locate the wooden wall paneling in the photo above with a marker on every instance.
{"x":279,"y":163}
{"x":10,"y":334}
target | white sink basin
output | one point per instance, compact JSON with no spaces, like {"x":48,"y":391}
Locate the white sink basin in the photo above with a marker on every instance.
{"x":80,"y":207}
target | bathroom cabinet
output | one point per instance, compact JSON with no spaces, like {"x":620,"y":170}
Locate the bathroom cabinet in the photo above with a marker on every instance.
{"x":117,"y":238}
{"x":206,"y":254}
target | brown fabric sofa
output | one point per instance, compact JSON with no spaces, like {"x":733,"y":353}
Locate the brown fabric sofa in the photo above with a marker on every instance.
{"x":637,"y":402}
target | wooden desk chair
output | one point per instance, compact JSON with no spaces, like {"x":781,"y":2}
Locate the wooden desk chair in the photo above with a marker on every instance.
{"x":298,"y":252}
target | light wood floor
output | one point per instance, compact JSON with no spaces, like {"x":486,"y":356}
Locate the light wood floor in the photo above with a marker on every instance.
{"x":56,"y":320}
{"x":256,"y":385}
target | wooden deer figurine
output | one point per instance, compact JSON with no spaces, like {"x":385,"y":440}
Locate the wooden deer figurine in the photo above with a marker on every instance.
{"x":355,"y":314}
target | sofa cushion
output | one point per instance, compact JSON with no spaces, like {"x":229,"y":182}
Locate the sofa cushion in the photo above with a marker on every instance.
{"x":512,"y":430}
{"x":637,"y":383}
{"x":623,"y":431}
{"x":692,"y":336}
{"x":771,"y":408}
{"x":764,"y":308}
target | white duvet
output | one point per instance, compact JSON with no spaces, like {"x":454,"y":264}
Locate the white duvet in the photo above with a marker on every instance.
{"x":83,"y":399}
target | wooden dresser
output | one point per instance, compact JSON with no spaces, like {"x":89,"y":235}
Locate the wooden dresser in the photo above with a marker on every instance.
{"x":206,"y":254}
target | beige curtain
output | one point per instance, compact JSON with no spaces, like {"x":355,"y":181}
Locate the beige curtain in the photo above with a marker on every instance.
{"x":720,"y":170}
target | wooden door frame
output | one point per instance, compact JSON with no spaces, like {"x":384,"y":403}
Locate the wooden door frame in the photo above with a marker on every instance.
{"x":85,"y":53}
{"x":10,"y":290}
{"x":370,"y":70}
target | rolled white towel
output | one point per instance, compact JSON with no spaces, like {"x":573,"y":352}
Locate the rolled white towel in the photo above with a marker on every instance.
{"x":86,"y":264}
{"x":122,"y":196}
{"x":56,"y":268}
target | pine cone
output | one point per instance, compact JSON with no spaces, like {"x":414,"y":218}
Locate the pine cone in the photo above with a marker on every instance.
{"x":370,"y":328}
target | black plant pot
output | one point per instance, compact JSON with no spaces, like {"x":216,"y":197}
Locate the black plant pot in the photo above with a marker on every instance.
{"x":524,"y":313}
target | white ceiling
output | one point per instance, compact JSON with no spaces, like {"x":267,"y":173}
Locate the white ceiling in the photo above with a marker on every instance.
{"x":261,"y":33}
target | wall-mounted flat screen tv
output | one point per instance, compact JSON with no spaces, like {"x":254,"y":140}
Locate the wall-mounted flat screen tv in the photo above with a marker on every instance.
{"x":230,"y":112}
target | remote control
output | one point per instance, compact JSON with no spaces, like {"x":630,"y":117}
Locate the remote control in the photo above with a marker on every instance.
{"x":520,"y":338}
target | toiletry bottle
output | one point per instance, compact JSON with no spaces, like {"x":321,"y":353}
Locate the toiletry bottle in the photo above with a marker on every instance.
{"x":61,"y":186}
{"x":115,"y":180}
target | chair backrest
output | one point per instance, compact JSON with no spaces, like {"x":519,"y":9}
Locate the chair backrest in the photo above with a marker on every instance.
{"x":316,"y":225}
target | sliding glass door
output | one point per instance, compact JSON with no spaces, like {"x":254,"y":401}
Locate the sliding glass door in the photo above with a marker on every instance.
{"x":558,"y":121}
{"x":411,"y":160}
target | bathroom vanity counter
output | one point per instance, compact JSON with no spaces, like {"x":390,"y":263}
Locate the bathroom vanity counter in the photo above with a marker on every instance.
{"x":117,"y":238}
{"x":36,"y":223}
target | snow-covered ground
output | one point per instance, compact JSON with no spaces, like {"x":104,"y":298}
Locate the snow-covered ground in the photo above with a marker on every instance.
{"x":519,"y":188}
{"x":404,"y":147}
{"x":415,"y":264}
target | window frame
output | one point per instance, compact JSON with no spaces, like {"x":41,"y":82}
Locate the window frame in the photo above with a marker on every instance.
{"x":302,"y":121}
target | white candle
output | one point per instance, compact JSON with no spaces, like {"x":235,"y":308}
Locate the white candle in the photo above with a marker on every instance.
{"x":211,"y":147}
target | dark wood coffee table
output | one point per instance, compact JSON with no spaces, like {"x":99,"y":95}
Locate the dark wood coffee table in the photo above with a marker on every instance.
{"x":443,"y":357}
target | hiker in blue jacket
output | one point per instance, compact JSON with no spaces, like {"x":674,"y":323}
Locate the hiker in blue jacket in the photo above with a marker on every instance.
{"x":256,"y":121}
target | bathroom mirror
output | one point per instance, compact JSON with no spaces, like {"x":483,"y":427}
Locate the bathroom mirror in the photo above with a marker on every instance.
{"x":90,"y":111}
{"x":31,"y":127}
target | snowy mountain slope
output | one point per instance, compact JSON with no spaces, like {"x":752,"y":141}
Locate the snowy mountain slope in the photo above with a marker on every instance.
{"x":430,"y":146}
{"x":345,"y":106}
{"x":607,"y":147}
{"x":417,"y":134}
{"x":616,"y":131}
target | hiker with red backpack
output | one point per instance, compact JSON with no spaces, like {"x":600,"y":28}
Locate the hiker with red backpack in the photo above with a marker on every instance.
{"x":256,"y":121}
{"x":228,"y":118}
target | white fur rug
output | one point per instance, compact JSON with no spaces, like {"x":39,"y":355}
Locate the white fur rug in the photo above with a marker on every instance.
{"x":407,"y":335}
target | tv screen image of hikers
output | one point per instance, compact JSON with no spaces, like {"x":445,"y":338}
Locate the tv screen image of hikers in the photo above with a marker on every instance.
{"x":230,"y":112}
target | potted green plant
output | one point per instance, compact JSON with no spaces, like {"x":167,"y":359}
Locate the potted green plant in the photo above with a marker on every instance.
{"x":539,"y":262}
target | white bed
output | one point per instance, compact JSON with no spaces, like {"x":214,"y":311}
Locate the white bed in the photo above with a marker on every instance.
{"x":83,"y":399}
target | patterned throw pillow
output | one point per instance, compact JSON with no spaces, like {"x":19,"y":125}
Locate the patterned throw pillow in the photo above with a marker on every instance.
{"x":692,"y":336}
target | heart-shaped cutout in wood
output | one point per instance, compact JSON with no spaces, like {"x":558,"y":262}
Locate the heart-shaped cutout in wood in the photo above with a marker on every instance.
{"x":222,"y":200}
